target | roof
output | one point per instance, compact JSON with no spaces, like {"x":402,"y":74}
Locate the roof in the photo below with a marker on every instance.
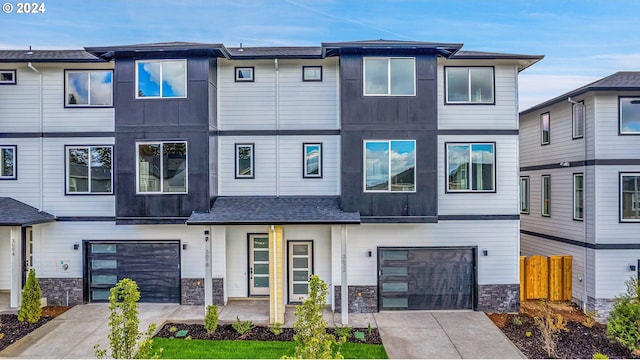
{"x":47,"y":56}
{"x":16,"y":213}
{"x":443,"y":49}
{"x":108,"y":52}
{"x":237,"y":210}
{"x":620,"y":81}
{"x":296,"y":52}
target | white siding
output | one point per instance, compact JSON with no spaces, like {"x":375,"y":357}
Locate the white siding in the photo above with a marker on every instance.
{"x":263,"y":182}
{"x":609,"y":229}
{"x":5,"y":258}
{"x":610,"y":145}
{"x":26,"y":187}
{"x":291,"y":166}
{"x":502,"y":115}
{"x":613,"y":271}
{"x":503,"y":201}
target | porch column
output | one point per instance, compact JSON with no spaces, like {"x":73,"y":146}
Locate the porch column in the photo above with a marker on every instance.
{"x":208,"y":282}
{"x":276,"y":274}
{"x":16,"y":266}
{"x":344,"y":287}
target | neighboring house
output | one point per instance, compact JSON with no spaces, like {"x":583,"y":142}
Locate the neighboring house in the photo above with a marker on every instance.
{"x":388,"y":168}
{"x":580,"y":185}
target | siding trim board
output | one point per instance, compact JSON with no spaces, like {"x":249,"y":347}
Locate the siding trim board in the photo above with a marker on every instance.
{"x":86,"y":218}
{"x":28,"y":135}
{"x":478,"y":132}
{"x":592,"y":162}
{"x":272,"y":132}
{"x":581,"y":243}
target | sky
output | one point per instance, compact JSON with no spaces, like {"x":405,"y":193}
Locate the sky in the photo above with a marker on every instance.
{"x":582,"y":41}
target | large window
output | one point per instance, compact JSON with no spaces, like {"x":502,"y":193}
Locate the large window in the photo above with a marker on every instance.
{"x":630,"y":115}
{"x":524,"y":195}
{"x":162,"y":167}
{"x":546,"y":195}
{"x":579,"y":115}
{"x":630,"y":197}
{"x":7,"y":162}
{"x":312,"y":160}
{"x":390,"y":165}
{"x":89,"y":169}
{"x":469,"y":85}
{"x":245,"y":161}
{"x":161,"y":78}
{"x":578,"y":196}
{"x":471,"y":167}
{"x":545,"y":128}
{"x":88,"y":88}
{"x":389,"y":76}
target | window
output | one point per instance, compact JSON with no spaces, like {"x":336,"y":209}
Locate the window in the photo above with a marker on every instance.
{"x":7,"y":77}
{"x":578,"y":111}
{"x":389,"y":76}
{"x":469,"y":85}
{"x":162,"y":167}
{"x":244,"y":74}
{"x":312,"y":73}
{"x":312,"y":160}
{"x":524,"y":195}
{"x":88,"y":88}
{"x":578,"y":196}
{"x":89,"y":169}
{"x":471,"y":167}
{"x":161,"y":79}
{"x":545,"y":126}
{"x":546,"y":195}
{"x":630,"y":197}
{"x":8,"y":162}
{"x":390,"y":165}
{"x":630,"y":115}
{"x":244,"y":161}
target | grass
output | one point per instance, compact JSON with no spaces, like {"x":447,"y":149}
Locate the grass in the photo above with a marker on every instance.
{"x":250,"y":349}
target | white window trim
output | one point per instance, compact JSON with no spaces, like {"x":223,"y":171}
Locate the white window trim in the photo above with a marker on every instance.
{"x":186,"y":168}
{"x":575,"y":198}
{"x":526,"y":195}
{"x":573,"y":123}
{"x":620,"y":115}
{"x":237,"y":161}
{"x":548,"y":213}
{"x":493,"y":85}
{"x":493,"y":145}
{"x":388,"y":58}
{"x":238,"y":69}
{"x":14,"y":149}
{"x":542,"y":142}
{"x":305,"y":175}
{"x":14,"y":73}
{"x":622,"y":175}
{"x":186,"y":89}
{"x":67,"y":170}
{"x":89,"y":71}
{"x":388,"y":191}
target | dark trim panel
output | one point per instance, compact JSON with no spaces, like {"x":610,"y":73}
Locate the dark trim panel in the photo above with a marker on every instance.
{"x":27,"y":135}
{"x":583,"y":244}
{"x":272,"y":132}
{"x":150,"y":220}
{"x":478,"y":132}
{"x":479,"y":217}
{"x":86,"y":218}
{"x":398,"y":219}
{"x":591,"y":162}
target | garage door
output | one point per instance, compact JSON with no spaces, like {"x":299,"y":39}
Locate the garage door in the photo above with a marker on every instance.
{"x":154,"y":266}
{"x":425,"y":278}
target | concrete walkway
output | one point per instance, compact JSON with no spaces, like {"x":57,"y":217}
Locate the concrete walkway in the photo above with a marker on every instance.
{"x":414,"y":334}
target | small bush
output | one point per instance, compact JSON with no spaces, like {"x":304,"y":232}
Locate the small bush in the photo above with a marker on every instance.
{"x":211,"y":319}
{"x":30,"y":310}
{"x":242,"y":327}
{"x":517,"y":320}
{"x":343,"y":332}
{"x":550,"y":325}
{"x":276,"y":329}
{"x":624,"y":318}
{"x":600,"y":356}
{"x":590,"y":319}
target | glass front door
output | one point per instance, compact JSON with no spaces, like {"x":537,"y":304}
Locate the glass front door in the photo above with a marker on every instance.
{"x":258,"y":264}
{"x":300,"y":268}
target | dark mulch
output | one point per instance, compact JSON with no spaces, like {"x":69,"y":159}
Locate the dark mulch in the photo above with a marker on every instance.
{"x":578,"y":342}
{"x":15,"y":330}
{"x":262,"y":333}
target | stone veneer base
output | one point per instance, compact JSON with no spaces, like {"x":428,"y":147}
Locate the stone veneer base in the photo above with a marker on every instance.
{"x":62,"y":291}
{"x":499,"y":298}
{"x":193,"y":291}
{"x":362,"y":299}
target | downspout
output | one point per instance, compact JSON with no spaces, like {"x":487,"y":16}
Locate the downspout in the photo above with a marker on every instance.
{"x":41,"y":115}
{"x":584,"y":206}
{"x":275,"y":277}
{"x":275,"y":63}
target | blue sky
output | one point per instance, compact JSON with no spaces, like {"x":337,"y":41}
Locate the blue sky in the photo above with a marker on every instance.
{"x":581,"y":40}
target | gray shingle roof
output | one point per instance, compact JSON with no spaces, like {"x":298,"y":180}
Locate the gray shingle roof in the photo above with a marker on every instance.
{"x":620,"y":81}
{"x":16,"y":213}
{"x":463,"y":54}
{"x":275,"y":210}
{"x":47,"y":56}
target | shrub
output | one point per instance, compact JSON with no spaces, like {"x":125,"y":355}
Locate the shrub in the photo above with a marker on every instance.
{"x":123,"y":324}
{"x":242,"y":327}
{"x":624,"y":318}
{"x":343,"y":332}
{"x":590,"y":319}
{"x":30,"y":310}
{"x":600,"y":356}
{"x":517,"y":320}
{"x":276,"y":329}
{"x":211,"y":319}
{"x":550,"y":325}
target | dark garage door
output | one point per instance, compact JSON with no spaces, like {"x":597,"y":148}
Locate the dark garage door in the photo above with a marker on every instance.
{"x":425,"y":278}
{"x":154,"y":266}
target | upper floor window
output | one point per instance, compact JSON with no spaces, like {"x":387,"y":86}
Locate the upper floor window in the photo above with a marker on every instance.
{"x":245,"y":74}
{"x":88,"y":88}
{"x":630,"y":197}
{"x":161,"y":78}
{"x":7,"y":162}
{"x":312,"y":73}
{"x":578,"y":111}
{"x":524,"y":195}
{"x":89,"y":169}
{"x":389,"y":76}
{"x":578,"y":196}
{"x":162,"y":167}
{"x":545,"y":128}
{"x":245,"y":161}
{"x":312,"y":157}
{"x":390,"y":165}
{"x":469,"y":85}
{"x":471,"y":167}
{"x":7,"y":77}
{"x":630,"y":115}
{"x":546,"y":195}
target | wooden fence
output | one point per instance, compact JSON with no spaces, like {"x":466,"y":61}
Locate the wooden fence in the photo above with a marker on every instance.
{"x":544,"y":277}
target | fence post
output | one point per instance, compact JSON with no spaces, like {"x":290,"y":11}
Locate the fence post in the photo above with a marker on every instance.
{"x":522,"y":279}
{"x":567,"y":278}
{"x":555,"y":278}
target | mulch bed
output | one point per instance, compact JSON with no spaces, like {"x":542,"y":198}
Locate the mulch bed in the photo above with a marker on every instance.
{"x":15,"y":330}
{"x":261,"y":333}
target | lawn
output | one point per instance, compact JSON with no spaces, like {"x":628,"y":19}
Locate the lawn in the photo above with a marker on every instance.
{"x":251,"y":349}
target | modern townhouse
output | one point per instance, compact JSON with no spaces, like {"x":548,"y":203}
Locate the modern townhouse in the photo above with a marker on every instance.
{"x":207,"y":174}
{"x":579,"y":183}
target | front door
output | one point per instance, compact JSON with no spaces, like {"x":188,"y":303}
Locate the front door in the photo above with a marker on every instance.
{"x":258,"y":264}
{"x":27,"y":261}
{"x":300,"y":268}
